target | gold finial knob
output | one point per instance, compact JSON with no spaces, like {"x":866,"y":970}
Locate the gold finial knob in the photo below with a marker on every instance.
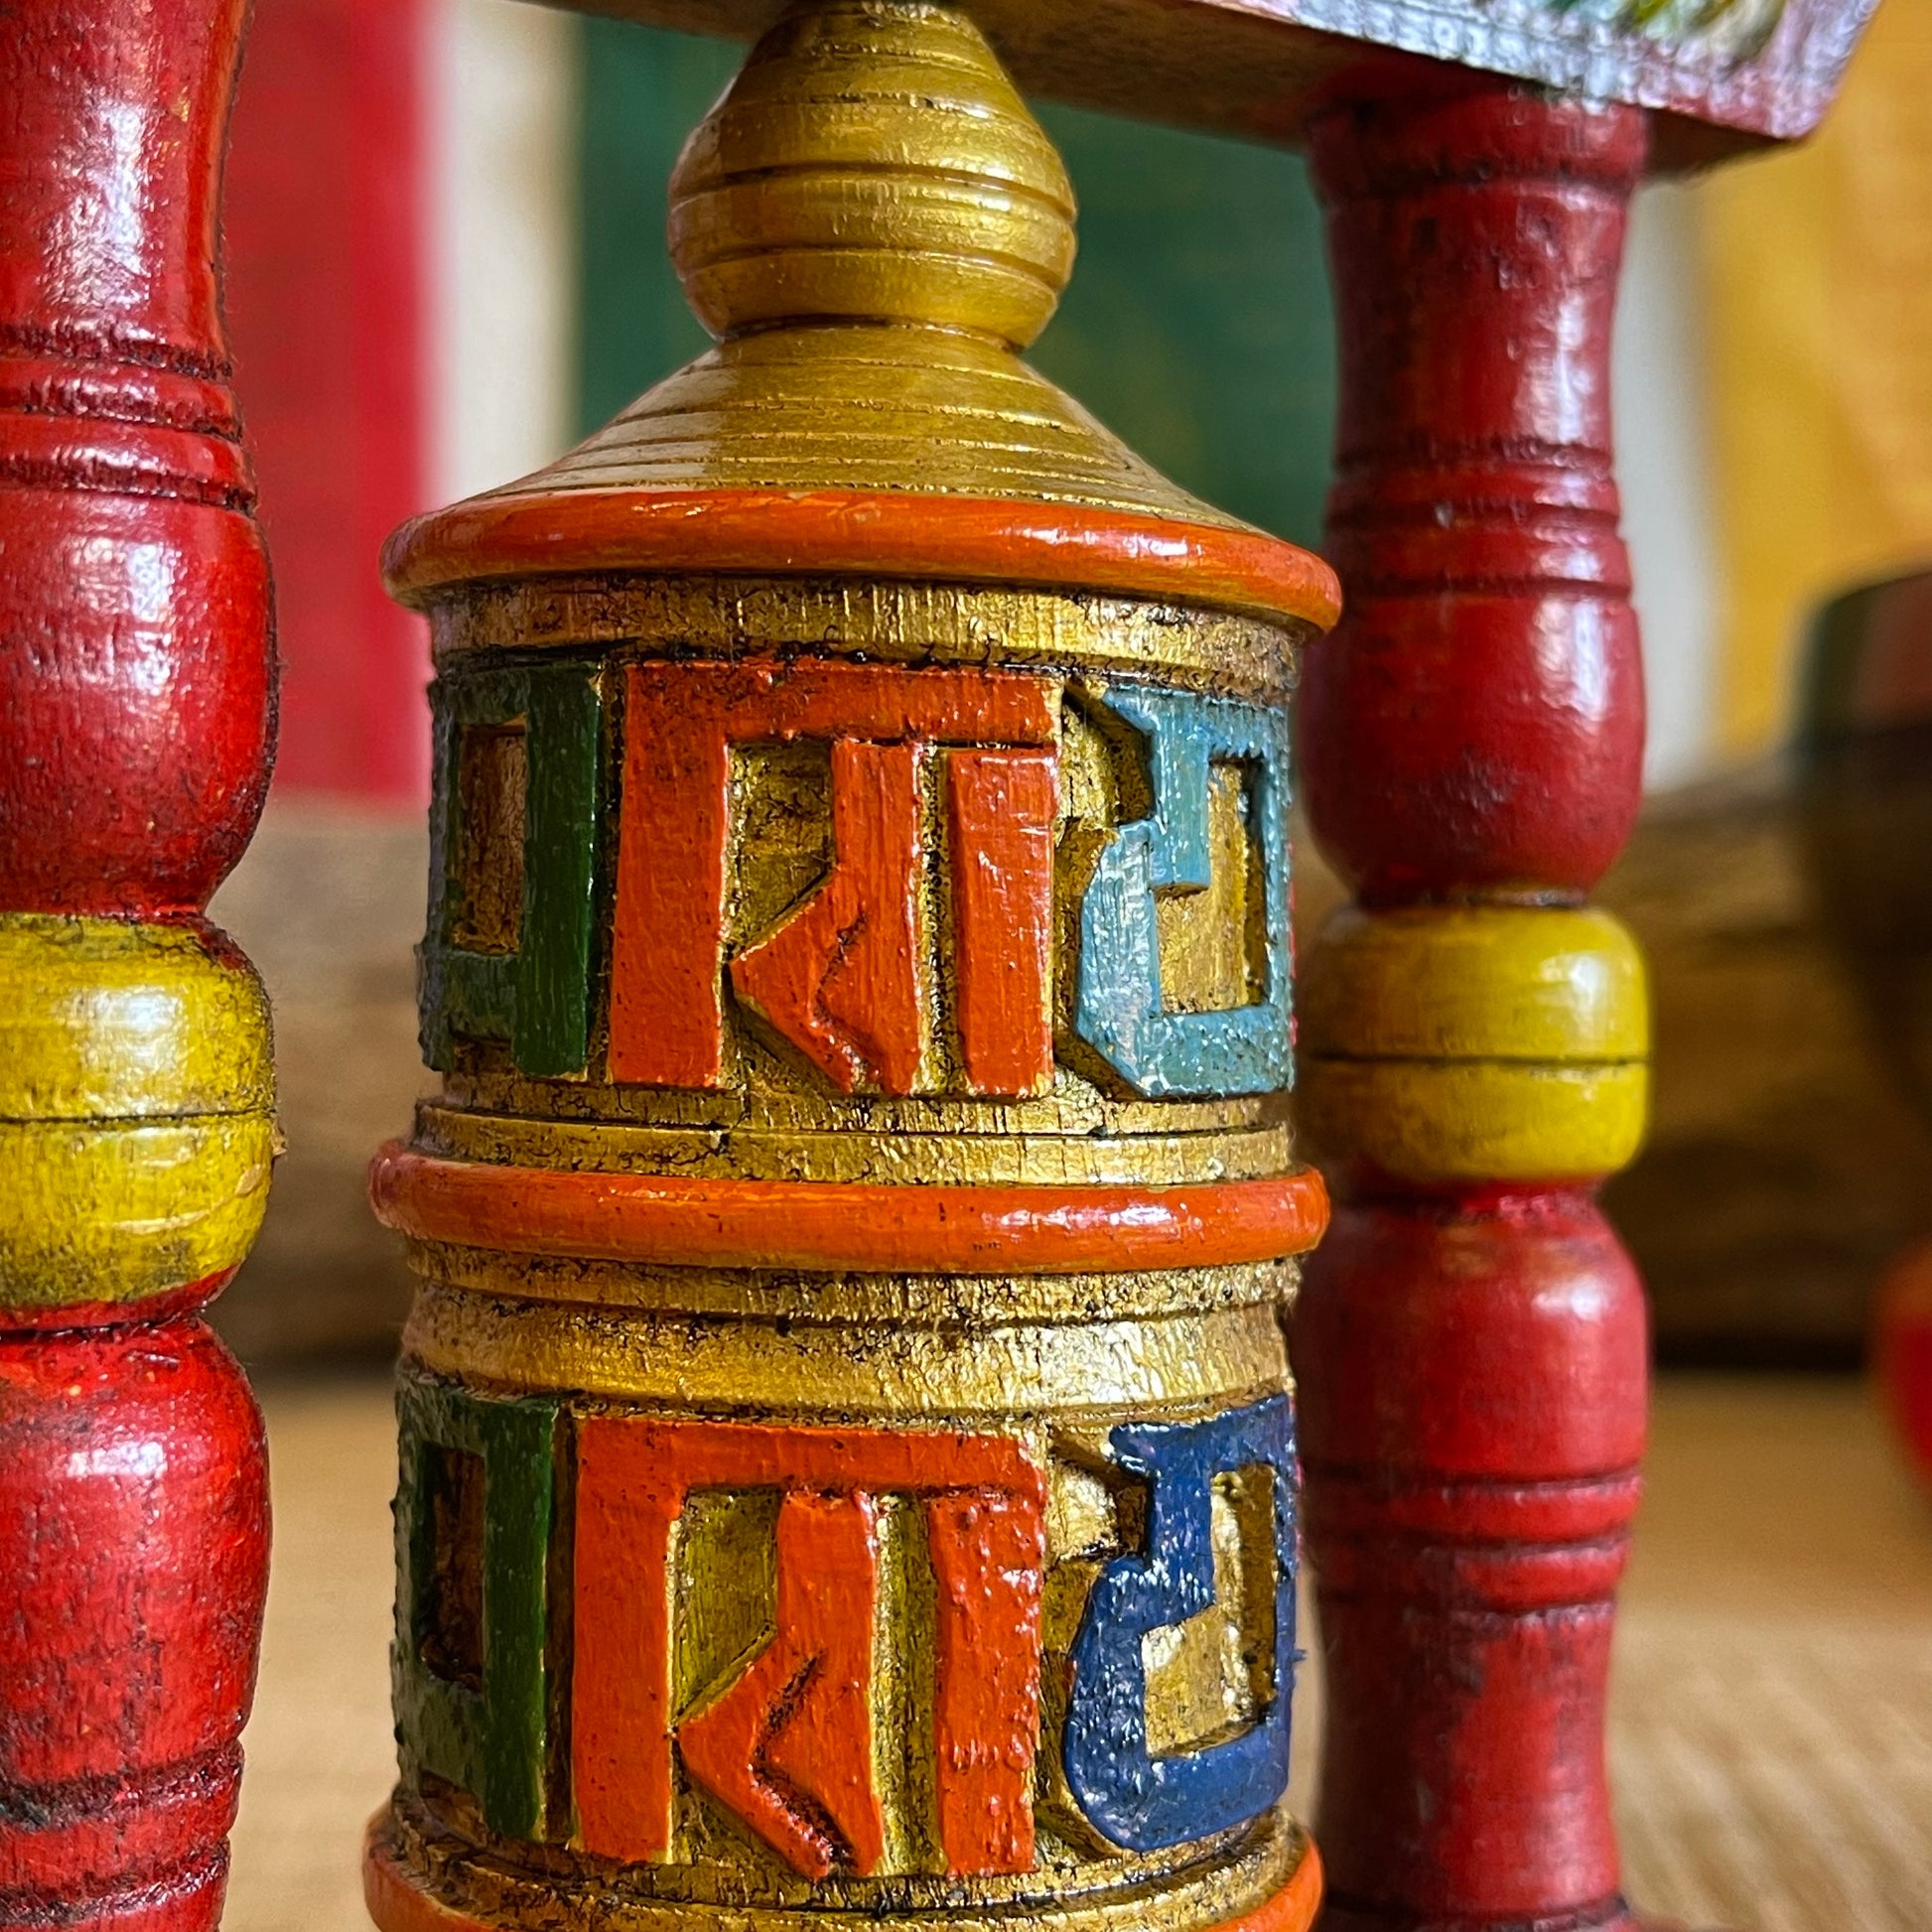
{"x":873,"y":162}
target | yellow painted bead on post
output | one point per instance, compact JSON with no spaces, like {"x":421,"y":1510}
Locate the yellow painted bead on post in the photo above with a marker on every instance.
{"x":1457,"y":1044}
{"x":136,"y":1109}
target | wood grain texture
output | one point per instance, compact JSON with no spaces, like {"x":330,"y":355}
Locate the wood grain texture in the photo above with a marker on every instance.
{"x":1471,"y":1339}
{"x":135,"y":715}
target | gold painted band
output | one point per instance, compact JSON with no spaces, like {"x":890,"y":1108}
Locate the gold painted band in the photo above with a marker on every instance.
{"x":396,"y":1904}
{"x":863,"y":1227}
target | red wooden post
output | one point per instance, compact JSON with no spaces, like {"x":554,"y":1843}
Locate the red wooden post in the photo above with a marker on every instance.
{"x":135,"y":1123}
{"x":1471,"y":1340}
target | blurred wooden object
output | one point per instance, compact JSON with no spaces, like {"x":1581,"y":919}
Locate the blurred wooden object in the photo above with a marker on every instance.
{"x":1866,"y":787}
{"x":1866,"y":762}
{"x":1784,"y":1165}
{"x":329,"y":903}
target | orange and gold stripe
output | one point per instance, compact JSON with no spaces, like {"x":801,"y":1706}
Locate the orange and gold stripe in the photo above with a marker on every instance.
{"x":875,"y":534}
{"x":677,"y":1221}
{"x":397,"y":1906}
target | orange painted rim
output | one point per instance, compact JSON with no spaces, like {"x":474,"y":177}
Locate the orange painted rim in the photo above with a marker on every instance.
{"x":952,"y":539}
{"x":862,"y":1226}
{"x":1292,"y":1908}
{"x":397,"y":1906}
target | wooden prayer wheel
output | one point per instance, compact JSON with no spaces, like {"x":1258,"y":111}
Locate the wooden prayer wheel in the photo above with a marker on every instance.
{"x":848,"y":1461}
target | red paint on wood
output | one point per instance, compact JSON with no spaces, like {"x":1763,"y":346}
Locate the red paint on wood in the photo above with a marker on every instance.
{"x":1000,"y":809}
{"x":1471,"y":1408}
{"x":674,"y":1221}
{"x":634,"y":1475}
{"x":134,"y":1543}
{"x":135,"y":686}
{"x":796,"y":1726}
{"x":681,"y":721}
{"x":325,"y":216}
{"x":1471,"y":1362}
{"x":840,"y":979}
{"x":1477,"y":721}
{"x":134,"y":689}
{"x":135,"y":705}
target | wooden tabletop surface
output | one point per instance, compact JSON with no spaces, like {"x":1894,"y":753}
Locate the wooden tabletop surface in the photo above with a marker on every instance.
{"x":1771,"y":1719}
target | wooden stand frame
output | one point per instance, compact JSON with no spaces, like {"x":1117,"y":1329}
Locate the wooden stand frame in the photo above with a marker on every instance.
{"x":1471,"y":1339}
{"x":136,"y":1128}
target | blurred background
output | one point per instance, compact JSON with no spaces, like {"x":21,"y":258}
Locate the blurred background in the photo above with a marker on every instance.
{"x":445,"y":225}
{"x":446,"y":262}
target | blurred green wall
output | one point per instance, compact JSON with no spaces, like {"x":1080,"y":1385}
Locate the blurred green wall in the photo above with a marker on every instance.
{"x":1196,"y":325}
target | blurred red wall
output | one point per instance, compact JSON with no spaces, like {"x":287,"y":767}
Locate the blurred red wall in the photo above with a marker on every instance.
{"x":325,"y":218}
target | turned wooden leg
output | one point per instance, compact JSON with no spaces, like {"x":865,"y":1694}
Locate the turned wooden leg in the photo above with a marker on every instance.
{"x":1471,"y":1340}
{"x":135,"y":1094}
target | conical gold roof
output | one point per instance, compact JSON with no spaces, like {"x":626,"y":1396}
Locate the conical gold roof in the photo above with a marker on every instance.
{"x":874,"y":226}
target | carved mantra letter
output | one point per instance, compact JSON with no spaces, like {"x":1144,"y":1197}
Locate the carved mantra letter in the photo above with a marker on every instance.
{"x":842,"y":979}
{"x":1138,"y":1798}
{"x":788,"y":1742}
{"x":1122,"y":1009}
{"x":796,"y":1724}
{"x":1002,"y":806}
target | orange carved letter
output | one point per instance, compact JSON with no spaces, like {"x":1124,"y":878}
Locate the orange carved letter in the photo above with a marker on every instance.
{"x":797,"y":1724}
{"x":840,"y":979}
{"x":843,"y":978}
{"x":988,"y":1553}
{"x":1001,"y":808}
{"x":787,"y":1745}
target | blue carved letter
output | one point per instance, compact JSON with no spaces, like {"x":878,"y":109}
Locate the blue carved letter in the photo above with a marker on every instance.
{"x":1135,"y":1799}
{"x":1119,"y":1010}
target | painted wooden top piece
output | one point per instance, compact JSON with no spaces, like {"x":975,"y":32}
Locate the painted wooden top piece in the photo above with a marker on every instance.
{"x":874,"y":226}
{"x":1724,"y":74}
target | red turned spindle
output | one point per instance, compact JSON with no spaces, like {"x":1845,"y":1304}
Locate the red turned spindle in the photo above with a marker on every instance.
{"x":135,"y":1101}
{"x":1471,"y":1339}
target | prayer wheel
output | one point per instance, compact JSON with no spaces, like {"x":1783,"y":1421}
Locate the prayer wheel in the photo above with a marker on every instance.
{"x":848,"y":1456}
